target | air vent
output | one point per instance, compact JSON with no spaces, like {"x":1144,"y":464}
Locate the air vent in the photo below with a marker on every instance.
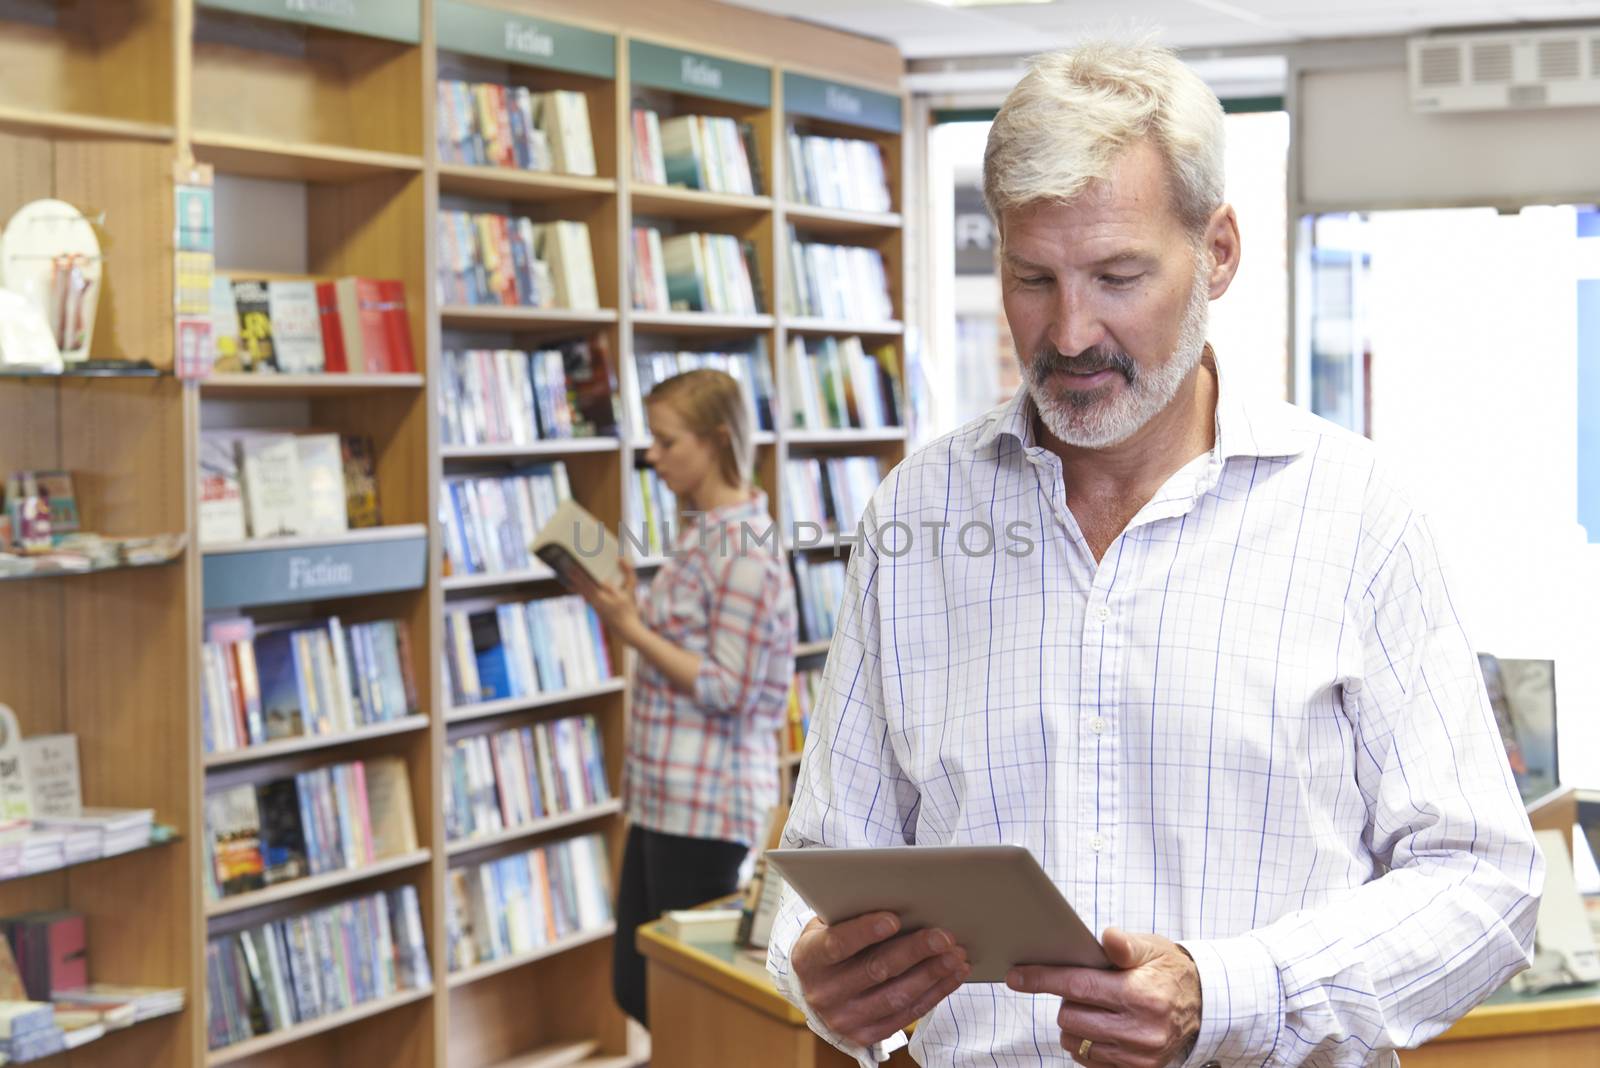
{"x":1491,"y":63}
{"x":1441,"y":64}
{"x":1556,"y":68}
{"x":1528,"y":96}
{"x":1559,"y":60}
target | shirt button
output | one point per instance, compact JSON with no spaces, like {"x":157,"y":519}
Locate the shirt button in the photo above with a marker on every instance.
{"x":1098,"y":724}
{"x":1102,"y":613}
{"x":1097,"y":843}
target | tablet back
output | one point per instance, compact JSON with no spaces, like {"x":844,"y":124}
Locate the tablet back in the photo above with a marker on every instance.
{"x":996,"y":900}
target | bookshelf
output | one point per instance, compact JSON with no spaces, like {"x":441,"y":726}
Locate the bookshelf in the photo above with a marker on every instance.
{"x":319,"y":122}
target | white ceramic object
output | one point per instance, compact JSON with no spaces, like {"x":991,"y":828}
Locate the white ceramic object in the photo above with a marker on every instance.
{"x":26,"y":343}
{"x":50,"y":255}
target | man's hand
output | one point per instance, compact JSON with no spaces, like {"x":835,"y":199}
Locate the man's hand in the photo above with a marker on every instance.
{"x":1145,"y":1015}
{"x":866,"y":981}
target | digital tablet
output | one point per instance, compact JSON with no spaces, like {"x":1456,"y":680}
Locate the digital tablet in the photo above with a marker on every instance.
{"x":995,"y":900}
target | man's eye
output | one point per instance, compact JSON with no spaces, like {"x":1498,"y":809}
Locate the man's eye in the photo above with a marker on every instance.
{"x":1034,"y":280}
{"x":1119,"y":279}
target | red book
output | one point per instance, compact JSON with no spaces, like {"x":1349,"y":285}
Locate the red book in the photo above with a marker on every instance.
{"x":361,"y":315}
{"x":333,"y":357}
{"x":398,"y":357}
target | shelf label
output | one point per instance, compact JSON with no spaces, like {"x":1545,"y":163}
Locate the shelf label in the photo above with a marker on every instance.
{"x":818,"y":99}
{"x":288,"y":575}
{"x":394,"y":20}
{"x":496,"y":33}
{"x":699,"y":75}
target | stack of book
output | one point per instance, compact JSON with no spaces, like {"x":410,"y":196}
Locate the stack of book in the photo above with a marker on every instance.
{"x":297,"y":970}
{"x":500,"y":260}
{"x":837,"y":172}
{"x":29,"y":1032}
{"x":695,"y":272}
{"x":116,"y":1005}
{"x":525,"y":901}
{"x":512,"y":126}
{"x":804,"y":690}
{"x":843,"y":282}
{"x":495,"y":782}
{"x":707,"y":152}
{"x":489,"y":521}
{"x":751,"y":369}
{"x":303,"y":326}
{"x":819,"y":588}
{"x":655,"y":513}
{"x":331,"y":818}
{"x":264,"y":484}
{"x":835,"y":384}
{"x":831,"y":493}
{"x":524,"y":649}
{"x":299,"y":680}
{"x":46,"y":842}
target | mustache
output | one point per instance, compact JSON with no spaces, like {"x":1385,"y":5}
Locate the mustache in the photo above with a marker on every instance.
{"x":1049,"y":360}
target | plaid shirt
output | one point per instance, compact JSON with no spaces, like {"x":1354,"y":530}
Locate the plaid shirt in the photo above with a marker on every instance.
{"x":706,"y":765}
{"x":1256,"y":726}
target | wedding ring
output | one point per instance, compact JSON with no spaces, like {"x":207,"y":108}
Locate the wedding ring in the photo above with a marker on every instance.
{"x":1083,"y":1049}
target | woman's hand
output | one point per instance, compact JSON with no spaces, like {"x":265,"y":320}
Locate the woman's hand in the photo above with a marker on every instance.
{"x":617,"y":603}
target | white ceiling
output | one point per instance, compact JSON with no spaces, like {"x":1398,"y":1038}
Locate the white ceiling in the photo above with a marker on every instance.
{"x":924,"y":29}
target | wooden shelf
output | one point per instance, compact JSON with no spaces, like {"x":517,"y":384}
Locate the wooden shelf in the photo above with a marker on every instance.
{"x":845,"y":437}
{"x":90,"y":860}
{"x":502,"y":317}
{"x":809,"y":649}
{"x":537,"y":827}
{"x":555,"y":447}
{"x":276,"y":385}
{"x":835,"y":222}
{"x":289,"y":746}
{"x":453,"y":583}
{"x":699,"y":324}
{"x":311,"y":884}
{"x":505,"y":183}
{"x":62,"y":572}
{"x":361,"y":536}
{"x":506,"y":964}
{"x":262,"y":1043}
{"x":842,"y":328}
{"x":573,"y":1055}
{"x":260,"y":157}
{"x":467,"y":713}
{"x":69,"y":124}
{"x":693,"y":204}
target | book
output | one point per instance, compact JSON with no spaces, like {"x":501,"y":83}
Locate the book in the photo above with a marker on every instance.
{"x":574,"y":543}
{"x":361,"y":321}
{"x":233,"y":824}
{"x":334,"y":360}
{"x":50,"y":763}
{"x":296,"y":326}
{"x":270,"y":465}
{"x":360,"y":482}
{"x":221,"y":497}
{"x":389,"y":800}
{"x":253,"y":303}
{"x":225,"y":339}
{"x":323,"y":492}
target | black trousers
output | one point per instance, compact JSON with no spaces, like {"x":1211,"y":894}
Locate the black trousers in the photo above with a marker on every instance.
{"x":661,"y":872}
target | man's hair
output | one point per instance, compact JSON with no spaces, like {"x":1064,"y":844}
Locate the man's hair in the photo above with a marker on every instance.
{"x":1069,"y":118}
{"x":713,"y":407}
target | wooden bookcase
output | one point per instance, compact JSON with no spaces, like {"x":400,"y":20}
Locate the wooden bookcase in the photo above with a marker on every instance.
{"x":318,"y":120}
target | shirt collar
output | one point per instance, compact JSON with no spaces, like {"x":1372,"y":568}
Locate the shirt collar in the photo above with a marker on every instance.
{"x":1242,"y":429}
{"x":751,"y":507}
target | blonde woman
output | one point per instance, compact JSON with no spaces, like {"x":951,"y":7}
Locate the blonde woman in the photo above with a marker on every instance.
{"x":715,"y":634}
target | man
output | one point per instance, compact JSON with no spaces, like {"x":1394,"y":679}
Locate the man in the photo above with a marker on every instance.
{"x":1195,"y":654}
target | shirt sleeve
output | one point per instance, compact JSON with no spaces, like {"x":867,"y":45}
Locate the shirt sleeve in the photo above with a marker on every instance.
{"x":850,"y":792}
{"x":748,"y":624}
{"x":1398,"y":959}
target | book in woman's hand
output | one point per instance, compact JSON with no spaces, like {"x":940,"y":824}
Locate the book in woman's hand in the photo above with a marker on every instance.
{"x":578,"y":547}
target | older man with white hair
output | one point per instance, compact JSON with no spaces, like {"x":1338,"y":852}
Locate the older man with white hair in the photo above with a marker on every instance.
{"x":1214,"y":681}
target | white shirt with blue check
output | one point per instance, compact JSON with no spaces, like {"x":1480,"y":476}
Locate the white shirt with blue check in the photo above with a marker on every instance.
{"x":1256,"y":727}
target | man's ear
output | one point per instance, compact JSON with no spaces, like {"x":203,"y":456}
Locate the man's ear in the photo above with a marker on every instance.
{"x":1223,"y":249}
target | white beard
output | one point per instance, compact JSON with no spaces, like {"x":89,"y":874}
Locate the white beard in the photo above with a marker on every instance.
{"x":1097,"y":421}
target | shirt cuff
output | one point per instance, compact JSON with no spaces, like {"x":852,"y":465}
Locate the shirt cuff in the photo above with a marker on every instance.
{"x":1241,"y":1001}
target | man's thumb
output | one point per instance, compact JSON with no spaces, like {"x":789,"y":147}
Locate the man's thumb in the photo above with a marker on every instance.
{"x":1126,"y":950}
